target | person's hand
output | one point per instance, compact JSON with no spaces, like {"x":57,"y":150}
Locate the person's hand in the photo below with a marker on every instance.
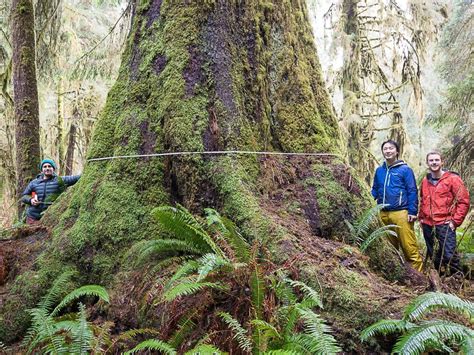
{"x":34,"y":201}
{"x":451,"y":225}
{"x":411,"y":218}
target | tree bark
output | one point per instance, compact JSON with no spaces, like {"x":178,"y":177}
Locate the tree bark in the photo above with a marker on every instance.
{"x":25,"y":94}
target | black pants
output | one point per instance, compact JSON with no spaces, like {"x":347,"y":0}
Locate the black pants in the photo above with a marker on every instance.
{"x":446,"y":251}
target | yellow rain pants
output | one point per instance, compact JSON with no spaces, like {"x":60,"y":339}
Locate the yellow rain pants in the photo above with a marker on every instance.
{"x":406,"y":236}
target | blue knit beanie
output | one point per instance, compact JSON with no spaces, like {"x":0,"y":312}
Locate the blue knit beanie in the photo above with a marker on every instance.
{"x":49,"y":161}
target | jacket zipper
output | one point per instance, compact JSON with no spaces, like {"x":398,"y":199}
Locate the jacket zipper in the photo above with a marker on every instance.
{"x":387,"y":176}
{"x":400,"y":202}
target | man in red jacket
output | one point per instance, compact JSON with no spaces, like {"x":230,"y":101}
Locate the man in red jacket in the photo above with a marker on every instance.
{"x":444,"y":205}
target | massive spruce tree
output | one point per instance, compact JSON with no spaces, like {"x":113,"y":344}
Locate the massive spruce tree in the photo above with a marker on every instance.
{"x":25,"y":92}
{"x":201,"y":76}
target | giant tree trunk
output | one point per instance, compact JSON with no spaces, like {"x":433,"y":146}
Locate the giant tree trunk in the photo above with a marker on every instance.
{"x":25,"y":93}
{"x":201,"y":77}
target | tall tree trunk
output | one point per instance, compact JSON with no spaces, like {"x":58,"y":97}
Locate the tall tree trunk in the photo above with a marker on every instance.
{"x":25,"y":93}
{"x":204,"y":77}
{"x":71,"y":144}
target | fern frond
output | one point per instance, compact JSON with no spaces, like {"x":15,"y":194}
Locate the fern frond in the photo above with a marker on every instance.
{"x":87,"y":290}
{"x":434,"y":300}
{"x":386,"y":326}
{"x":284,"y":291}
{"x":290,"y":316}
{"x":280,"y":352}
{"x":257,"y":289}
{"x":162,"y":247}
{"x":188,"y":288}
{"x":184,"y":270}
{"x":383,"y":231}
{"x":205,"y":349}
{"x":308,"y":291}
{"x":420,"y":338}
{"x":182,"y":225}
{"x":230,"y":233}
{"x":56,"y":289}
{"x":240,"y":334}
{"x":82,"y":334}
{"x":43,"y":331}
{"x":367,"y":221}
{"x":268,"y":330}
{"x":210,"y":263}
{"x":153,"y":344}
{"x":353,"y":233}
{"x":185,"y":326}
{"x":319,"y":338}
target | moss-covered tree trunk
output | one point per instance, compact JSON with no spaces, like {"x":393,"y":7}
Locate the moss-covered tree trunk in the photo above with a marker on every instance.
{"x":199,"y":76}
{"x":25,"y":93}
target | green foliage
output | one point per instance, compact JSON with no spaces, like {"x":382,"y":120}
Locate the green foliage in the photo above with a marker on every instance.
{"x":68,"y":334}
{"x":221,"y":252}
{"x":205,"y":349}
{"x":369,"y":228}
{"x":153,"y":344}
{"x":240,"y":334}
{"x":189,"y":287}
{"x":440,"y":335}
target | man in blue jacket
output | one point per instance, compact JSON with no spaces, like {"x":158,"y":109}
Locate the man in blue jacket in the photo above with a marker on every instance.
{"x":395,"y":187}
{"x":40,"y":193}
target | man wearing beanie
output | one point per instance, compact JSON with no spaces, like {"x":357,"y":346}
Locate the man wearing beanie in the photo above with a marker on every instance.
{"x":42,"y":191}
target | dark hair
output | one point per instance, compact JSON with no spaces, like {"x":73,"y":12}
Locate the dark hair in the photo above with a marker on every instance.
{"x":392,"y":142}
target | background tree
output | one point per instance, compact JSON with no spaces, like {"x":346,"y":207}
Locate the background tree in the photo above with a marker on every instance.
{"x":25,"y":93}
{"x":456,"y":112}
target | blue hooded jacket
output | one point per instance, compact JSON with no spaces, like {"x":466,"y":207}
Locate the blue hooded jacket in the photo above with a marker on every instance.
{"x":45,"y":188}
{"x":395,"y":186}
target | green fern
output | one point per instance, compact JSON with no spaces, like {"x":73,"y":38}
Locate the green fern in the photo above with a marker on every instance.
{"x":205,"y":349}
{"x":430,"y":335}
{"x":309,"y":292}
{"x":182,"y":225}
{"x":368,"y":228}
{"x":427,"y":335}
{"x":383,"y":231}
{"x":186,"y":288}
{"x":240,"y":334}
{"x":147,"y":249}
{"x":386,"y":326}
{"x":82,"y":334}
{"x":211,"y":263}
{"x":268,"y":331}
{"x":69,"y":334}
{"x":88,"y":290}
{"x":185,"y":326}
{"x":230,"y":234}
{"x":317,"y":333}
{"x":153,"y":344}
{"x":56,"y":289}
{"x":435,"y":300}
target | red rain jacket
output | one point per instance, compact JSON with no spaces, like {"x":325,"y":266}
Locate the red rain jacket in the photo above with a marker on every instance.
{"x":448,"y":200}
